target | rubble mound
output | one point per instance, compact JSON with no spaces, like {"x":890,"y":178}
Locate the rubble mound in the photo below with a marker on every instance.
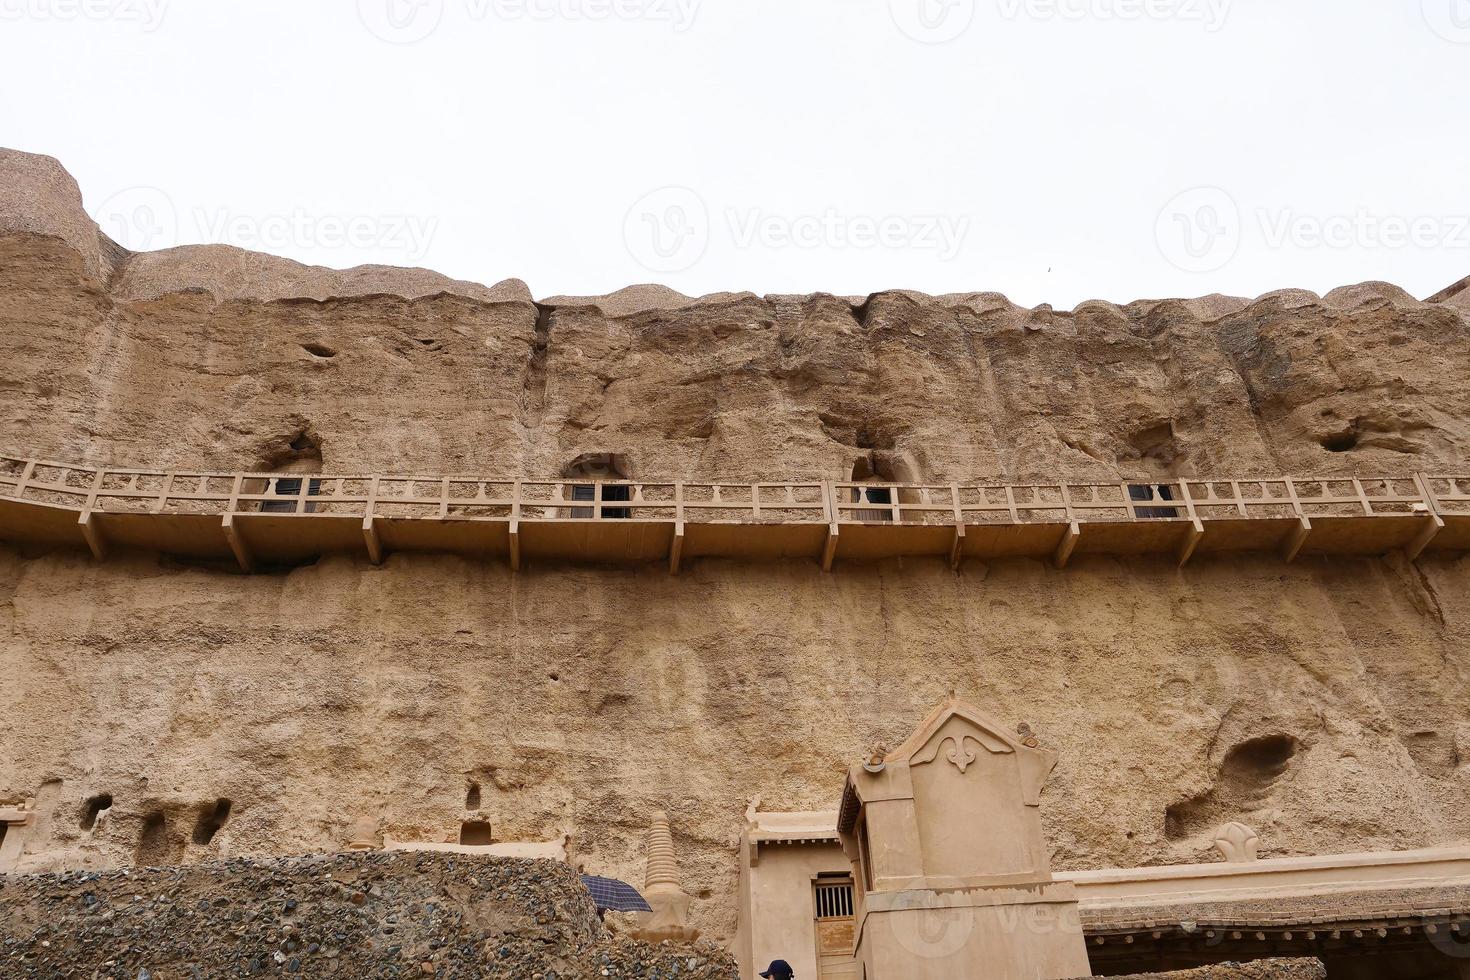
{"x":1255,"y":970}
{"x":346,"y":915}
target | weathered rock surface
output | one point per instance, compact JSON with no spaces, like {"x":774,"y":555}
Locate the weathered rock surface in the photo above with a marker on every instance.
{"x":1324,"y":703}
{"x":365,"y":915}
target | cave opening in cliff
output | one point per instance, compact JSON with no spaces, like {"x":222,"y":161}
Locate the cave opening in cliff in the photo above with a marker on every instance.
{"x":303,"y":455}
{"x":475,"y":833}
{"x":472,"y":797}
{"x":93,"y":808}
{"x":599,"y":467}
{"x":211,"y":820}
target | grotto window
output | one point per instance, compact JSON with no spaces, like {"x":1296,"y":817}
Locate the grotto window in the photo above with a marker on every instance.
{"x":290,"y":488}
{"x":599,"y":467}
{"x":1147,"y":491}
{"x":291,"y":469}
{"x":588,"y":491}
{"x":864,"y":472}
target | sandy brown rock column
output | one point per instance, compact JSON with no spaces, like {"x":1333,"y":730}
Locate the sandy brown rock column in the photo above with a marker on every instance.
{"x":952,"y":874}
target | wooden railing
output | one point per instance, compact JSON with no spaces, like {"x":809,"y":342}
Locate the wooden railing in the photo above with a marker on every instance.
{"x":1195,"y":505}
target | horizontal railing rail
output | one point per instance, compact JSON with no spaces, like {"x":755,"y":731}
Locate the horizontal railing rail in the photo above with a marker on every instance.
{"x":1192,"y":504}
{"x":164,"y":491}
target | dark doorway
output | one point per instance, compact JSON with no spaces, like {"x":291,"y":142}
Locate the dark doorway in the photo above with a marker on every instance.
{"x":1152,"y":492}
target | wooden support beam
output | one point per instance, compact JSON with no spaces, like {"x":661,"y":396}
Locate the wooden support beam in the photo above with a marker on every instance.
{"x":1433,"y":524}
{"x":515,"y":545}
{"x":1294,"y":541}
{"x":676,"y":549}
{"x":93,"y":533}
{"x":371,"y":539}
{"x":829,"y":550}
{"x":1193,"y":535}
{"x":238,"y":544}
{"x":957,"y":548}
{"x":88,"y":521}
{"x":1068,"y":543}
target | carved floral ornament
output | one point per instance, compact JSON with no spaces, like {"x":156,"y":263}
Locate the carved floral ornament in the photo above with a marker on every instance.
{"x":959,"y":748}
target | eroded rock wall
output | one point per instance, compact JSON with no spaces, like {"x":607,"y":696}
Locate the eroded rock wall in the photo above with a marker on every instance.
{"x":1323,"y":702}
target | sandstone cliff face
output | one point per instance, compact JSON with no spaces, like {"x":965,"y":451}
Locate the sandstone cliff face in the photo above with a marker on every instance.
{"x":1324,"y":702}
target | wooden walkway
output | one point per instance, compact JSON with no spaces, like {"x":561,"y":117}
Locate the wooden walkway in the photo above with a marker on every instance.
{"x":263,"y":520}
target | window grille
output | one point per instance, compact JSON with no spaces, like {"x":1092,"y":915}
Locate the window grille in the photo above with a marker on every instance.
{"x":834,"y":900}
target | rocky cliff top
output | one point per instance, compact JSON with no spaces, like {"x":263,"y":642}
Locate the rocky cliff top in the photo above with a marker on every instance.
{"x":38,"y":196}
{"x":237,"y":355}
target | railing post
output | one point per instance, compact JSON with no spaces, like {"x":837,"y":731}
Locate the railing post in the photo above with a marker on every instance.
{"x":370,"y":538}
{"x":1363,"y":497}
{"x":1071,"y":535}
{"x":1011,"y":503}
{"x":444,"y":499}
{"x":676,"y":547}
{"x":1427,"y":489}
{"x":302,"y":493}
{"x":1196,"y":531}
{"x":515,"y":526}
{"x":90,"y":531}
{"x":1128,"y":499}
{"x":25,"y":478}
{"x":755,"y":500}
{"x":168,"y":485}
{"x":235,"y":494}
{"x":1298,"y":537}
{"x":1434,"y":520}
{"x":829,"y":547}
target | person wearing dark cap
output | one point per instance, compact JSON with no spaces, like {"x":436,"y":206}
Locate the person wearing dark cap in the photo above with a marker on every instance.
{"x":779,"y":970}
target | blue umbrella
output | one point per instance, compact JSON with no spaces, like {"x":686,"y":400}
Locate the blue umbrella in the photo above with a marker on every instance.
{"x":614,"y":895}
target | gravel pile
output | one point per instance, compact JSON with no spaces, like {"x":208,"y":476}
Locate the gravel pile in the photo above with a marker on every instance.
{"x":357,"y":915}
{"x":1256,"y":970}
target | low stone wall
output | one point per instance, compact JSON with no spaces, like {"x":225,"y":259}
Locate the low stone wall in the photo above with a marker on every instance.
{"x":1255,"y":970}
{"x":359,"y":915}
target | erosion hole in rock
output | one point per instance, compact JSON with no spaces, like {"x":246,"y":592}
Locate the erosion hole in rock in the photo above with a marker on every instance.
{"x":1156,"y":447}
{"x":1259,"y":760}
{"x":1342,"y":442}
{"x":93,"y":808}
{"x":472,"y":797}
{"x":475,"y":833}
{"x":153,"y":841}
{"x":319,"y":350}
{"x":1247,"y":775}
{"x":211,"y":819}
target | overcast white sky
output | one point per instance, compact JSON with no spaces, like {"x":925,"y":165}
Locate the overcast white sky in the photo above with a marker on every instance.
{"x":1055,"y":150}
